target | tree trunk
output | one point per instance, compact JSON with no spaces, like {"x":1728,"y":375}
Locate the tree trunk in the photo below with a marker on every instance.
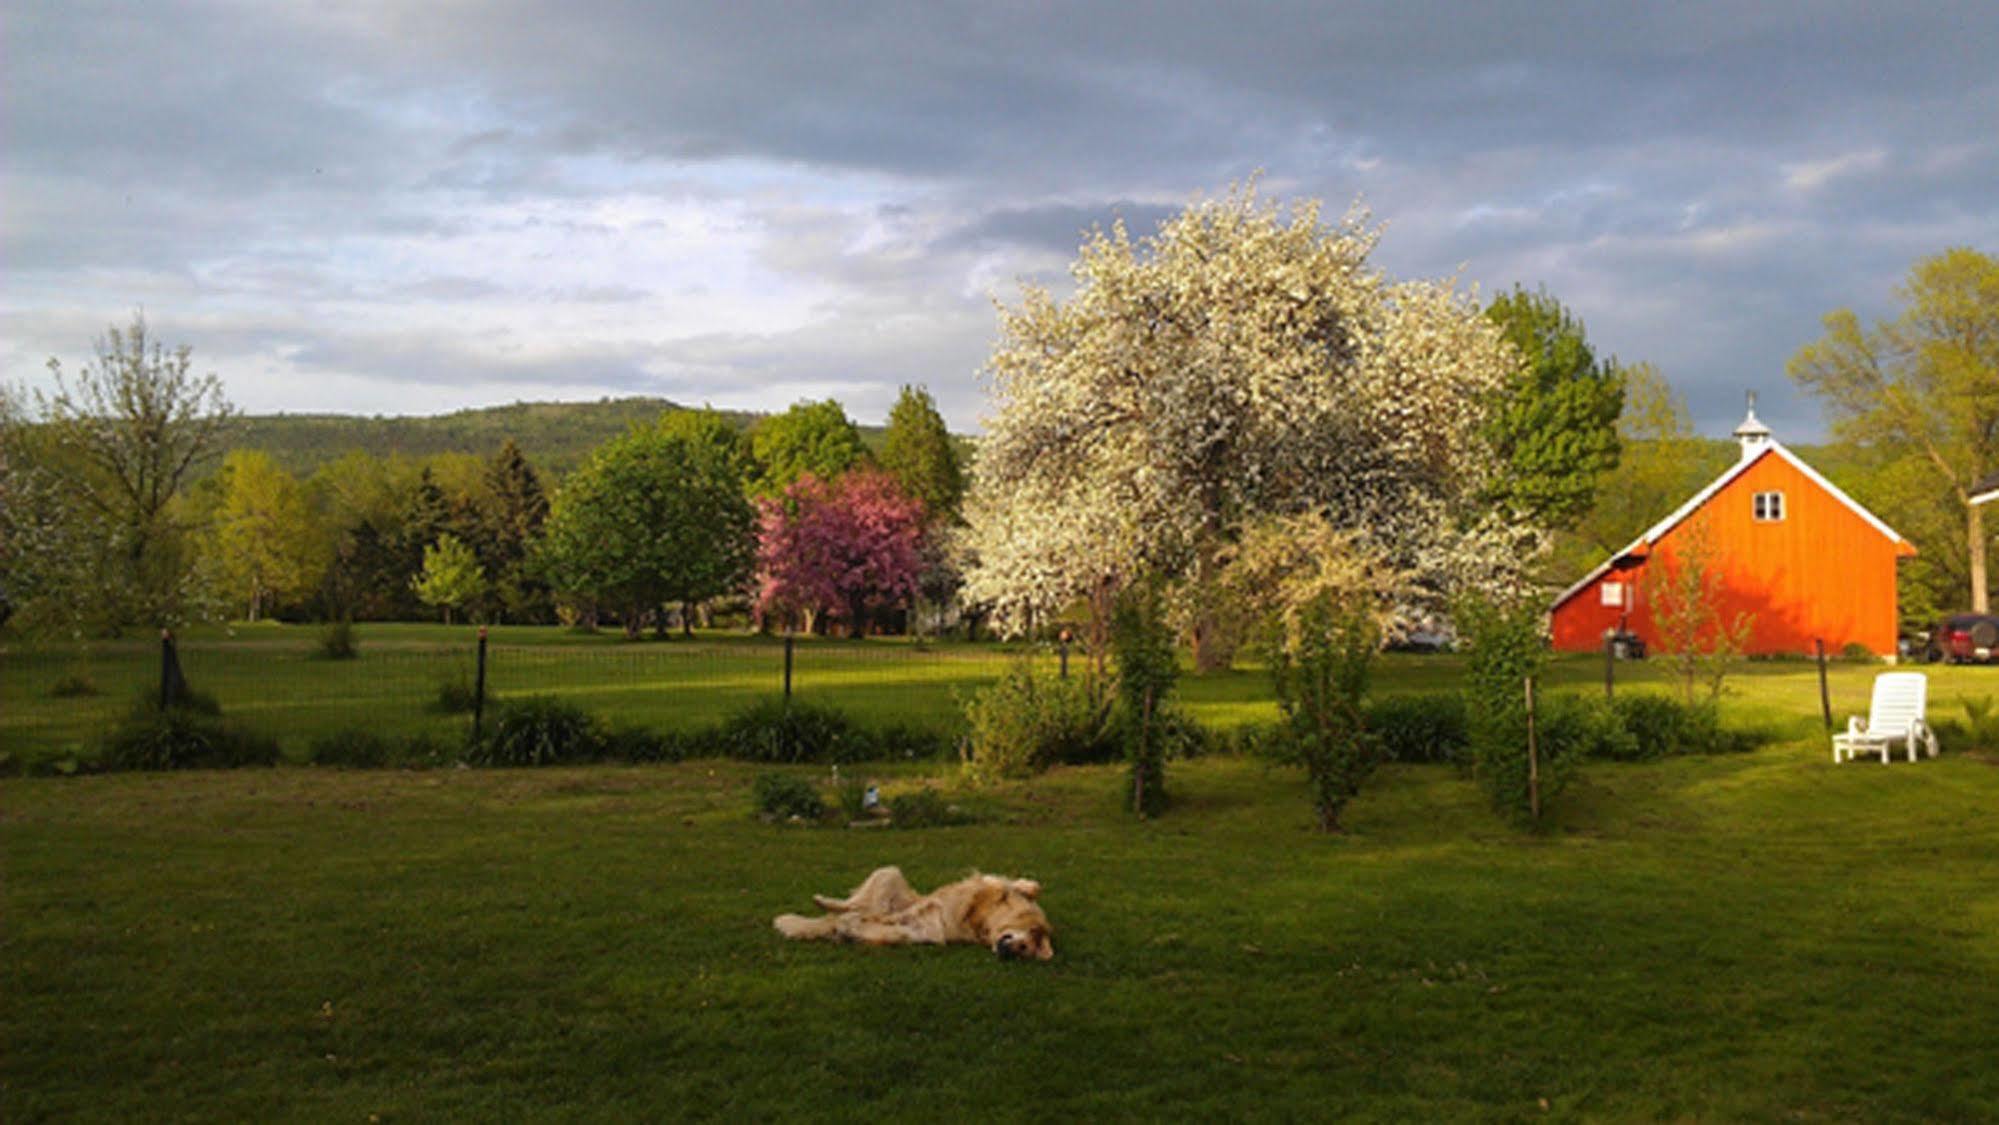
{"x":687,"y":620}
{"x":1975,"y":529}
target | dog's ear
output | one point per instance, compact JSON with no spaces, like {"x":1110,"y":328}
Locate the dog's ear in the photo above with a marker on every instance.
{"x":1027,"y":887}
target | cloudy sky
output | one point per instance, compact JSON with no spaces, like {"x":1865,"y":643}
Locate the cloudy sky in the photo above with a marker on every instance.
{"x":412,"y":207}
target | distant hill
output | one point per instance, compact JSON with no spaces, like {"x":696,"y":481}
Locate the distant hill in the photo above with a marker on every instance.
{"x":556,"y":436}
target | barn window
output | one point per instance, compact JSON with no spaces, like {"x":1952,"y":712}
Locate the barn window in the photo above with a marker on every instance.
{"x":1613,"y":593}
{"x":1769,"y":507}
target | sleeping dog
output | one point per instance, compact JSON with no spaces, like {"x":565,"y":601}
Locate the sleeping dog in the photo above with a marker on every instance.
{"x":988,"y":910}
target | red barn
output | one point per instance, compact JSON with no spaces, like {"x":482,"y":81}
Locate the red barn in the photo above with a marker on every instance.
{"x":1786,"y":545}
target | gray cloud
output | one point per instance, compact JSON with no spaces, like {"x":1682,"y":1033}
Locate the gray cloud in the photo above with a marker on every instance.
{"x":733,"y":201}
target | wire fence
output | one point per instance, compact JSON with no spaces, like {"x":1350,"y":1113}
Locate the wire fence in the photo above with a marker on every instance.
{"x":62,"y":698}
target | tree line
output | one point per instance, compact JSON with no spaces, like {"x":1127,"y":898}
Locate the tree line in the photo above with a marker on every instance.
{"x":1222,"y":412}
{"x":121,"y":510}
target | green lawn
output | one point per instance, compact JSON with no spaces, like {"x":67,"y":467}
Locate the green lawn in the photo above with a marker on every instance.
{"x":268,"y":677}
{"x":1764,"y":936}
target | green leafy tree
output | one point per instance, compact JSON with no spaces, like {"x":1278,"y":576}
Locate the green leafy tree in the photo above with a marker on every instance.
{"x":1661,"y":463}
{"x":1507,"y":649}
{"x":264,"y":532}
{"x":1925,"y":383}
{"x":1556,"y":425}
{"x":1322,"y":677}
{"x":451,"y":575}
{"x":1685,"y":593}
{"x":360,"y":502}
{"x":918,"y":452}
{"x":811,"y":437}
{"x":1147,"y":669}
{"x":114,"y":452}
{"x":655,"y":517}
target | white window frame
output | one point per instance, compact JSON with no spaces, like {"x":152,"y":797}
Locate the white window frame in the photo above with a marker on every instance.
{"x":1613,"y":595}
{"x":1768,"y":507}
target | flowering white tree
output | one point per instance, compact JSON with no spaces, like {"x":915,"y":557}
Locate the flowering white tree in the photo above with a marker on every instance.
{"x":1245,"y":361}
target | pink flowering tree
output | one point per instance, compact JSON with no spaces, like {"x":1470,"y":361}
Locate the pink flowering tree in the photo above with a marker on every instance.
{"x":843,"y":550}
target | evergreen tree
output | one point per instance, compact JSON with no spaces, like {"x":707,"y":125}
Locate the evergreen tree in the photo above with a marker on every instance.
{"x":517,"y":506}
{"x":918,"y":452}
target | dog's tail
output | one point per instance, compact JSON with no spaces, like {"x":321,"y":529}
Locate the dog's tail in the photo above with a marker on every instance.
{"x":797,"y":927}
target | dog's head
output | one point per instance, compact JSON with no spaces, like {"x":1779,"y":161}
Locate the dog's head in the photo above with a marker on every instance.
{"x":1018,"y":928}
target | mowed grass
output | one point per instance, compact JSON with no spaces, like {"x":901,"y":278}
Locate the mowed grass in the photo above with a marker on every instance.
{"x":1763,"y":937}
{"x":269,"y":677}
{"x":1754,"y":937}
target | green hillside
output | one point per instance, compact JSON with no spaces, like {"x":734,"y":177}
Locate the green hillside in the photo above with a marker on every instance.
{"x":556,"y":435}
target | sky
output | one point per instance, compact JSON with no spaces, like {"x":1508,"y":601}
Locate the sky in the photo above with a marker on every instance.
{"x":413,"y":207}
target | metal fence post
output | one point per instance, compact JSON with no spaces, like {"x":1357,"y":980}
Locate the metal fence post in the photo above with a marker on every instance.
{"x":1825,"y":693}
{"x":167,"y":663}
{"x":789,"y":640}
{"x":479,"y":688}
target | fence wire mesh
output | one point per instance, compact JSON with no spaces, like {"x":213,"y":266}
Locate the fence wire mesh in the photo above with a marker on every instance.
{"x":56,"y":699}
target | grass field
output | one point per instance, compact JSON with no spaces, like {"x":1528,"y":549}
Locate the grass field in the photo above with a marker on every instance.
{"x":1753,"y":937}
{"x":268,"y":677}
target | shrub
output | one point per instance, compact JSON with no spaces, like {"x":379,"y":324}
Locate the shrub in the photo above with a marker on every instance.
{"x":1856,"y":653}
{"x":1267,"y":741}
{"x":1419,"y":728}
{"x":1321,"y":677}
{"x":852,"y":795}
{"x":780,"y":796}
{"x":1569,"y":729}
{"x":1661,"y":727}
{"x":73,"y":685}
{"x":538,"y":731}
{"x":1147,"y":667}
{"x":801,"y":732}
{"x":909,"y":743}
{"x":643,"y":744}
{"x":1506,"y":648}
{"x":351,"y":749}
{"x":455,"y":697}
{"x":337,"y":642}
{"x":1025,"y":723}
{"x":1981,"y":724}
{"x":923,"y":808}
{"x":1178,"y":735}
{"x":179,"y":738}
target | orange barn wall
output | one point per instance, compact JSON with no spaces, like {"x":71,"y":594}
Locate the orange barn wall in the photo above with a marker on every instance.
{"x":1821,"y":572}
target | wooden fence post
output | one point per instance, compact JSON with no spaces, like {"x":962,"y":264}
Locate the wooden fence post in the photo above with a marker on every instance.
{"x":1533,"y":759}
{"x":1609,"y":666}
{"x":789,"y":641}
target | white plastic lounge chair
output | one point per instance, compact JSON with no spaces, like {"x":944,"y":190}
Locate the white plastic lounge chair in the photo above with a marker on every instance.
{"x":1894,"y":716}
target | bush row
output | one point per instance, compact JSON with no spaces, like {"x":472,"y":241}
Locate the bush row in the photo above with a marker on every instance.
{"x":1636,"y":727}
{"x":788,"y":797}
{"x":535,"y":731}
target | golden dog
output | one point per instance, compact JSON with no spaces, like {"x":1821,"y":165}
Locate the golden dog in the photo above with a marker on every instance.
{"x":988,"y":910}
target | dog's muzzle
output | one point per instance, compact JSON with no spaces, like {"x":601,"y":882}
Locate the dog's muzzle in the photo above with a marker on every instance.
{"x":1006,"y":948}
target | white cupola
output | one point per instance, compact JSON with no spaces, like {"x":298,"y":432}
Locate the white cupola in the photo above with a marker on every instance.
{"x":1753,"y":435}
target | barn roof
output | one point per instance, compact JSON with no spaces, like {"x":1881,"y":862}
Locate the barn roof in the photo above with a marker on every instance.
{"x":1986,"y":491}
{"x":1641,"y":546}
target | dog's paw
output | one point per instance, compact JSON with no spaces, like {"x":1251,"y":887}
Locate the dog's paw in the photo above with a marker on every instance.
{"x":834,"y":905}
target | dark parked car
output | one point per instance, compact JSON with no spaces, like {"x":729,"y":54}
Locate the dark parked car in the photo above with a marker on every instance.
{"x":1963,"y":638}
